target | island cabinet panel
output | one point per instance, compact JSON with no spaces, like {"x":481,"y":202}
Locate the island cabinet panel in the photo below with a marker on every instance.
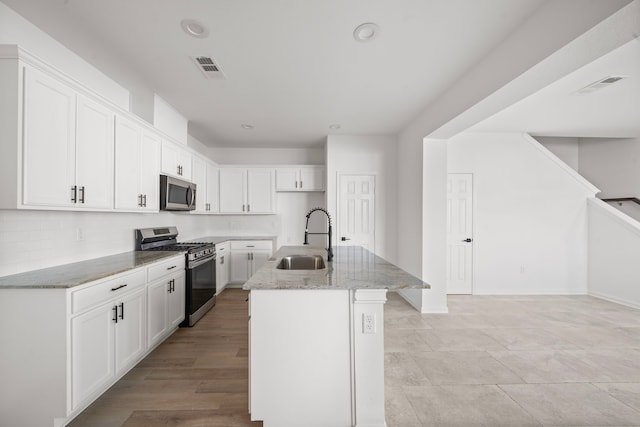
{"x":300,"y":358}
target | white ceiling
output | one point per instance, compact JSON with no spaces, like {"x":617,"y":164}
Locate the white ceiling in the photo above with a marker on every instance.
{"x":556,"y":110}
{"x":292,"y":67}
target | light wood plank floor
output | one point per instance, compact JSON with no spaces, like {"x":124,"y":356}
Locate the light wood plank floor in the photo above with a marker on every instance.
{"x":196,"y":378}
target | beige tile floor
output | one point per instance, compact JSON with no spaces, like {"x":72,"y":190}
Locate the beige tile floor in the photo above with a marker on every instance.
{"x":513,"y":361}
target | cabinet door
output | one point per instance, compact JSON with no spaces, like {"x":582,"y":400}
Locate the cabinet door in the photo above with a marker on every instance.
{"x":260,"y":190}
{"x":258,"y":259}
{"x":49,"y":141}
{"x":92,"y":352}
{"x":287,"y":179}
{"x":175,"y":302}
{"x":184,"y":161}
{"x":212,"y":189}
{"x":94,"y":154}
{"x":149,"y":169}
{"x":200,"y":179}
{"x":127,"y":161}
{"x":311,"y":179}
{"x":232,"y":190}
{"x":170,"y":161}
{"x":239,"y":267}
{"x":156,"y":310}
{"x":130,"y":330}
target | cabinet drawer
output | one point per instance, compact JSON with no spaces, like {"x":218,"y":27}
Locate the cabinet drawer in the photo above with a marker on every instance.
{"x":164,"y":268}
{"x":250,"y":244}
{"x":103,"y":291}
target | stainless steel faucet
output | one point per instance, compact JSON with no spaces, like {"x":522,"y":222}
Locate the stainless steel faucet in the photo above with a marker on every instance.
{"x":328,"y":233}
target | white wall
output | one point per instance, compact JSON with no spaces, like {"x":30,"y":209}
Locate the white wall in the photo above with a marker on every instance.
{"x":268,"y":156}
{"x":613,"y":165}
{"x":614,"y":245}
{"x":38,"y":239}
{"x":367,"y":155}
{"x":14,"y":29}
{"x":566,"y":149}
{"x":530,"y":215}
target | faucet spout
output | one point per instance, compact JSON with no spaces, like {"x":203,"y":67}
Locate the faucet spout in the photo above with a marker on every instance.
{"x":328,"y":233}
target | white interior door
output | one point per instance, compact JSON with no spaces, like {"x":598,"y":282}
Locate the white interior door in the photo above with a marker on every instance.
{"x":356,"y":211}
{"x":459,"y":233}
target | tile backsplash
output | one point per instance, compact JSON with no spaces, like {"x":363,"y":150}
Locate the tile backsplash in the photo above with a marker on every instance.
{"x":30,"y":240}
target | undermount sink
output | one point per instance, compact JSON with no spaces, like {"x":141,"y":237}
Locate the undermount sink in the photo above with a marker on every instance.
{"x":301,"y":262}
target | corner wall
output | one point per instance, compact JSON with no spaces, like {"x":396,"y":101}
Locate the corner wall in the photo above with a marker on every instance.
{"x":530,"y":215}
{"x":367,"y":155}
{"x":614,"y":245}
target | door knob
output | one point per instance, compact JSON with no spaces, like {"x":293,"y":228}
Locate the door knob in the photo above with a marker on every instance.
{"x":344,"y":239}
{"x":468,"y":240}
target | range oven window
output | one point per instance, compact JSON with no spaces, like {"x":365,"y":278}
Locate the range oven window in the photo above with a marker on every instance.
{"x":202,"y":280}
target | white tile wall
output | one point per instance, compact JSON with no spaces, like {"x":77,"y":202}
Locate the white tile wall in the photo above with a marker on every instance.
{"x":31,"y":240}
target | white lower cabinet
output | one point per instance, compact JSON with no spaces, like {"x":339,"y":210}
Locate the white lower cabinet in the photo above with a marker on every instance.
{"x":109,"y":338}
{"x":166,"y":306}
{"x":246,"y":257}
{"x":79,"y":341}
{"x":223,"y":262}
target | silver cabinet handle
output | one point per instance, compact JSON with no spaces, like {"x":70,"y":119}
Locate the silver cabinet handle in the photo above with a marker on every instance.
{"x":221,"y":260}
{"x":296,"y":184}
{"x":74,"y":193}
{"x":122,"y":310}
{"x":300,"y":184}
{"x":140,"y":200}
{"x":242,"y":208}
{"x":115,"y":313}
{"x":82,"y":194}
{"x":248,"y":208}
{"x":144,"y":203}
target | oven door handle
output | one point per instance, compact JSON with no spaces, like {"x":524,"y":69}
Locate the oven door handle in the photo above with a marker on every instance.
{"x":199,"y":262}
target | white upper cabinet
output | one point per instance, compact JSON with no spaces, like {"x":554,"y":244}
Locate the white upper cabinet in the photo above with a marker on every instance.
{"x":49,"y":141}
{"x":94,"y":154}
{"x":68,"y":146}
{"x":176,"y":161}
{"x":260,"y":190}
{"x":305,"y":178}
{"x":137,"y":164}
{"x":205,"y":176}
{"x":247,"y":190}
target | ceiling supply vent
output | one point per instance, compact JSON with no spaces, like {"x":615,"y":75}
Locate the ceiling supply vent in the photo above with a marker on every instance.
{"x":208,"y":66}
{"x":602,"y":83}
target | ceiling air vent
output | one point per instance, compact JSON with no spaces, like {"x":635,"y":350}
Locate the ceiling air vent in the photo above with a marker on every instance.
{"x":208,"y":66}
{"x":602,"y":83}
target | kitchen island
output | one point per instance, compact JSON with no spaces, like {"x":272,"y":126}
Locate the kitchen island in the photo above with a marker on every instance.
{"x":316,"y":339}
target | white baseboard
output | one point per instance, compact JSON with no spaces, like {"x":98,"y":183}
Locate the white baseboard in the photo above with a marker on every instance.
{"x":614,"y":299}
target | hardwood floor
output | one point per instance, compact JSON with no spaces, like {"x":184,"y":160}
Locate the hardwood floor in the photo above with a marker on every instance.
{"x":197,"y":377}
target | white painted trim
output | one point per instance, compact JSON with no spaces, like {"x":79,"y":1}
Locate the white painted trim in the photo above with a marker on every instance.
{"x":534,"y":293}
{"x":418,"y":304}
{"x":623,"y":219}
{"x":562,"y":165}
{"x":613,"y":299}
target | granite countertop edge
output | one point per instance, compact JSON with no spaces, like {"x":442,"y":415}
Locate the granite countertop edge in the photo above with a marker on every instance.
{"x":353,"y":267}
{"x":74,"y":274}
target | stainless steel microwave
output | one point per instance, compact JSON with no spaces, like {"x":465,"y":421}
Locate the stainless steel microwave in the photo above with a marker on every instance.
{"x":176,"y":194}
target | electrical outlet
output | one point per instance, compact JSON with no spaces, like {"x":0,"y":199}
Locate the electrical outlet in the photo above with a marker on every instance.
{"x":369,"y":323}
{"x":80,"y":234}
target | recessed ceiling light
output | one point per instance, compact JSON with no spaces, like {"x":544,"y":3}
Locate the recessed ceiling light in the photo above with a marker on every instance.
{"x":366,"y":32}
{"x":246,"y":126}
{"x":335,"y":126}
{"x":194,"y":28}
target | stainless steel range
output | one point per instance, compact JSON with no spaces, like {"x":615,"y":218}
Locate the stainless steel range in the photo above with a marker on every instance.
{"x":200,"y":268}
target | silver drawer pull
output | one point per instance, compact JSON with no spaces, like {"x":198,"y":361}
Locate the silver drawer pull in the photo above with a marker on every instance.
{"x":118,"y":287}
{"x":172,"y":267}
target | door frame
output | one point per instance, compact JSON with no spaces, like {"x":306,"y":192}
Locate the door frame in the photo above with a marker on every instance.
{"x":339,"y":175}
{"x":474,"y":202}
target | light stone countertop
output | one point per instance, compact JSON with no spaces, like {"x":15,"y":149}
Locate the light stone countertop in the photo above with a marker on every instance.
{"x":79,"y":273}
{"x":353,"y":267}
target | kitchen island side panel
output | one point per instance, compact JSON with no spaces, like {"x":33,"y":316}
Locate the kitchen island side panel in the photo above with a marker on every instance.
{"x":301,"y":358}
